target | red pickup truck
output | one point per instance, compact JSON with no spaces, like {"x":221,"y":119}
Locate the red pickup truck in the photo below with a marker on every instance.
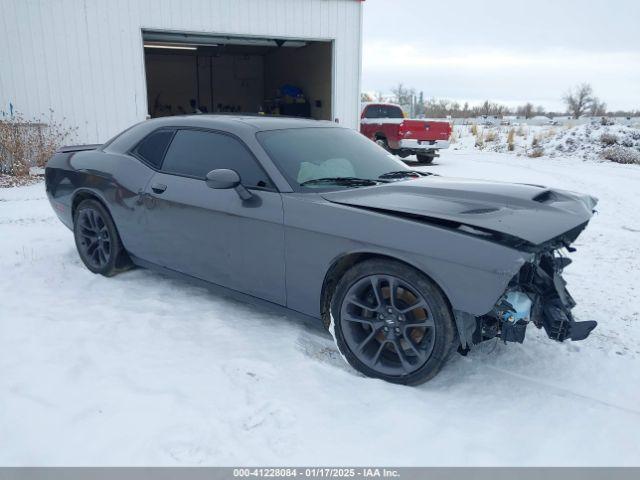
{"x":384,"y":123}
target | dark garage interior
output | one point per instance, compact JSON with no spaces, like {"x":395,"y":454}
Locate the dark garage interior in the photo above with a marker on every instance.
{"x":188,"y":73}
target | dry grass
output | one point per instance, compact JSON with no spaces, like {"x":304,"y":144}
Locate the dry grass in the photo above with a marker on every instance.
{"x":491,"y":136}
{"x":608,"y":139}
{"x":536,"y":153}
{"x":620,"y":154}
{"x":26,"y":143}
{"x":535,"y":142}
{"x":478,"y":133}
{"x":511,"y":145}
{"x":7,"y":181}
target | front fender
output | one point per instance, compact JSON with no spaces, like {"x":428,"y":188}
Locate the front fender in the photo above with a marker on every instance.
{"x":471,"y":271}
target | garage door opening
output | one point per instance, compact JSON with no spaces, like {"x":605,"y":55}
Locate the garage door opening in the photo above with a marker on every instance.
{"x":189,"y":73}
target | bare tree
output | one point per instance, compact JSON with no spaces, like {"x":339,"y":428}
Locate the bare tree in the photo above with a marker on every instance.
{"x":597,"y":108}
{"x":420,"y":104}
{"x":403,"y":95}
{"x":465,"y":110}
{"x":489,"y":109}
{"x":365,"y":97}
{"x":525,"y":110}
{"x":485,"y":109}
{"x":441,"y":107}
{"x":625,"y":113}
{"x":579,"y":100}
{"x":453,"y":108}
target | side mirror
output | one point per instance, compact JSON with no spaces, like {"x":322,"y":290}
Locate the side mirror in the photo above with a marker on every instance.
{"x":223,"y":178}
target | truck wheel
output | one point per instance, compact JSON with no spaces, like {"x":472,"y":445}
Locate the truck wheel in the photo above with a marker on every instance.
{"x":383,"y":143}
{"x":391,"y":322}
{"x":424,"y":159}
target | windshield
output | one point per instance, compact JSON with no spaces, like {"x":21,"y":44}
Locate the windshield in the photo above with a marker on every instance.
{"x":304,"y":155}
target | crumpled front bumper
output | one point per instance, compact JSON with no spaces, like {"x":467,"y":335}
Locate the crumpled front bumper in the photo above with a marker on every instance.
{"x":552,"y":302}
{"x":537,"y":295}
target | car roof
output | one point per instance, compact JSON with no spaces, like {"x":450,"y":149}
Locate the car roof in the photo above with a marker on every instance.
{"x":233,"y":122}
{"x":240,"y":125}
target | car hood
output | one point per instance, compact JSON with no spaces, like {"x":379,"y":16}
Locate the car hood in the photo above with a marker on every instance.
{"x":528,"y":212}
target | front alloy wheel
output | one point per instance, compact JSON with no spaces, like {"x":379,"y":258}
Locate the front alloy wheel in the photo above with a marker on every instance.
{"x":387,"y":324}
{"x":392,"y":322}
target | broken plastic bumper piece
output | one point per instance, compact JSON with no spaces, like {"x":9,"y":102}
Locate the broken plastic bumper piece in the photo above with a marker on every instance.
{"x":560,"y":325}
{"x":537,"y":295}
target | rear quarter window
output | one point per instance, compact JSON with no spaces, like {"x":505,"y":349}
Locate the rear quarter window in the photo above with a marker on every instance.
{"x":153,"y":147}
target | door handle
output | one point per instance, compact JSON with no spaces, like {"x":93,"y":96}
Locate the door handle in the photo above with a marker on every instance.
{"x":158,"y":188}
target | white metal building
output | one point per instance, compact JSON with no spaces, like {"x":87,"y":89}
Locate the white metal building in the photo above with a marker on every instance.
{"x":103,"y":65}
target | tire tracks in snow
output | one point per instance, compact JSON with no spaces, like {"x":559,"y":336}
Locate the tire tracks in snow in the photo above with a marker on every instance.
{"x":561,"y":391}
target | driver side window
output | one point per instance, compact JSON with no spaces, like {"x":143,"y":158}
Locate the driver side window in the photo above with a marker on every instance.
{"x":194,"y":153}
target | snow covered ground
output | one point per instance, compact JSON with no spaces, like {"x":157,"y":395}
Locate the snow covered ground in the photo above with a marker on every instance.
{"x":141,"y":369}
{"x":618,"y":143}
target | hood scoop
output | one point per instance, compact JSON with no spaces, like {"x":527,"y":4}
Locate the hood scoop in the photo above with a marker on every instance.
{"x":480,"y":211}
{"x":546,"y":196}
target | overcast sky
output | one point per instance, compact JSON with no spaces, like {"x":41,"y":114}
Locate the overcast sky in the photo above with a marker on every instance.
{"x":511,"y":51}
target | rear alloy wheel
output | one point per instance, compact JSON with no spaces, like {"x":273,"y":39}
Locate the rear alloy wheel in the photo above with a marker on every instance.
{"x":392,"y":322}
{"x":97,"y":239}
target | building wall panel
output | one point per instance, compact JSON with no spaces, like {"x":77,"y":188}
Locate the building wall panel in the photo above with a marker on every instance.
{"x":84,"y":59}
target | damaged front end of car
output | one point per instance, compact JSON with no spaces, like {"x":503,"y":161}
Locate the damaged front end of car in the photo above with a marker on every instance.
{"x":537,"y":294}
{"x":521,"y":281}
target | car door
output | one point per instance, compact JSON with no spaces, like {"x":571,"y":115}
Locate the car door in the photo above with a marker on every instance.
{"x":213,"y":234}
{"x":135,"y":170}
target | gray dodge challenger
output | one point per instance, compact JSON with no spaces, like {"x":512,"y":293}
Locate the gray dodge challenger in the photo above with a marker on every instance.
{"x":403,"y":267}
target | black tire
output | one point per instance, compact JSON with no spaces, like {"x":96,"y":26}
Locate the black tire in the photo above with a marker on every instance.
{"x":377,"y":337}
{"x":97,"y":239}
{"x":382,"y":142}
{"x":425,"y":159}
